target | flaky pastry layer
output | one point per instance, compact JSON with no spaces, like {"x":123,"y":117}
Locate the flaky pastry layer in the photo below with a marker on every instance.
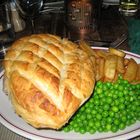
{"x":48,"y":79}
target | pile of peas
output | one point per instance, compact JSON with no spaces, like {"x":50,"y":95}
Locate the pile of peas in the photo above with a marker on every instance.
{"x":112,"y":107}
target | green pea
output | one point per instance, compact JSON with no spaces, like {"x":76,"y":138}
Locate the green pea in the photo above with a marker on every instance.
{"x":87,"y":110}
{"x":93,"y":112}
{"x":115,"y":96}
{"x":97,"y":124}
{"x":97,"y":102}
{"x":76,"y":129}
{"x":128,"y":122}
{"x":122,"y":126}
{"x":120,"y":88}
{"x":116,"y":122}
{"x":121,"y":99}
{"x":90,"y":123}
{"x":89,"y":116}
{"x":105,"y":113}
{"x":114,"y":128}
{"x":116,"y":102}
{"x":132,"y":121}
{"x":109,"y":100}
{"x":106,"y":107}
{"x":66,"y":129}
{"x":92,"y":131}
{"x":103,"y":122}
{"x":124,"y":118}
{"x":111,"y":113}
{"x":98,"y":84}
{"x":115,"y":109}
{"x":99,"y":116}
{"x":100,"y":129}
{"x":112,"y":106}
{"x":108,"y":127}
{"x":116,"y":86}
{"x":99,"y":90}
{"x":82,"y":131}
{"x":120,"y":94}
{"x":121,"y":106}
{"x":109,"y":120}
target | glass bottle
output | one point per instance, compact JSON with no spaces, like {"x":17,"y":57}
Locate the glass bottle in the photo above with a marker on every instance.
{"x":128,"y":7}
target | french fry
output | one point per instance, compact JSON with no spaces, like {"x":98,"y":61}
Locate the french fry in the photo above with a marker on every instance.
{"x":109,"y":64}
{"x":138,"y":73}
{"x":91,"y":53}
{"x":93,"y":60}
{"x":131,"y":71}
{"x":126,"y":61}
{"x":97,"y":75}
{"x":116,"y":77}
{"x":102,"y":54}
{"x":120,"y":65}
{"x":117,"y":52}
{"x":107,"y":80}
{"x":84,"y":46}
{"x":101,"y":67}
{"x":110,"y":67}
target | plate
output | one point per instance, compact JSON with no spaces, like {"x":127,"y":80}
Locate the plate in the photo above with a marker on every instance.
{"x":15,"y":123}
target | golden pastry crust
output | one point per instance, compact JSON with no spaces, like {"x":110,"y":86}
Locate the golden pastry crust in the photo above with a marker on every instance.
{"x":48,"y":79}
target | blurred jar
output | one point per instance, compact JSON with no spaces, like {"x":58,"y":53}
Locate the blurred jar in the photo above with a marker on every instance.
{"x":80,"y":15}
{"x":6,"y":30}
{"x":128,"y":7}
{"x":17,"y":22}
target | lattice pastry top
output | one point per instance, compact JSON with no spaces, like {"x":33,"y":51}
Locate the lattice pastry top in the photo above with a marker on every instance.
{"x":47,"y":78}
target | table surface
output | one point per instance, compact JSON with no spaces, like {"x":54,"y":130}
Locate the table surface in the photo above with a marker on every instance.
{"x":111,"y":25}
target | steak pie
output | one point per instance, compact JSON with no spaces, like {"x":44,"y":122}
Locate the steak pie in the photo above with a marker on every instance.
{"x":47,"y":79}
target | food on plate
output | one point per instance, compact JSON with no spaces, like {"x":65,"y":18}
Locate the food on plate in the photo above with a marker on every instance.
{"x":138,"y":74}
{"x":100,"y":68}
{"x":114,"y":104}
{"x":112,"y":62}
{"x":111,"y":108}
{"x":120,"y":65}
{"x":102,"y":54}
{"x":117,"y":52}
{"x":131,"y":71}
{"x":110,"y":67}
{"x":48,"y":79}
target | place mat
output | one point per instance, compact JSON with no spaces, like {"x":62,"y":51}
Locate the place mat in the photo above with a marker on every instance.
{"x":134,"y":35}
{"x":6,"y":134}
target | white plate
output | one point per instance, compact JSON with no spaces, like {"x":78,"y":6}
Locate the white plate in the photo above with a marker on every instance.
{"x":19,"y":126}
